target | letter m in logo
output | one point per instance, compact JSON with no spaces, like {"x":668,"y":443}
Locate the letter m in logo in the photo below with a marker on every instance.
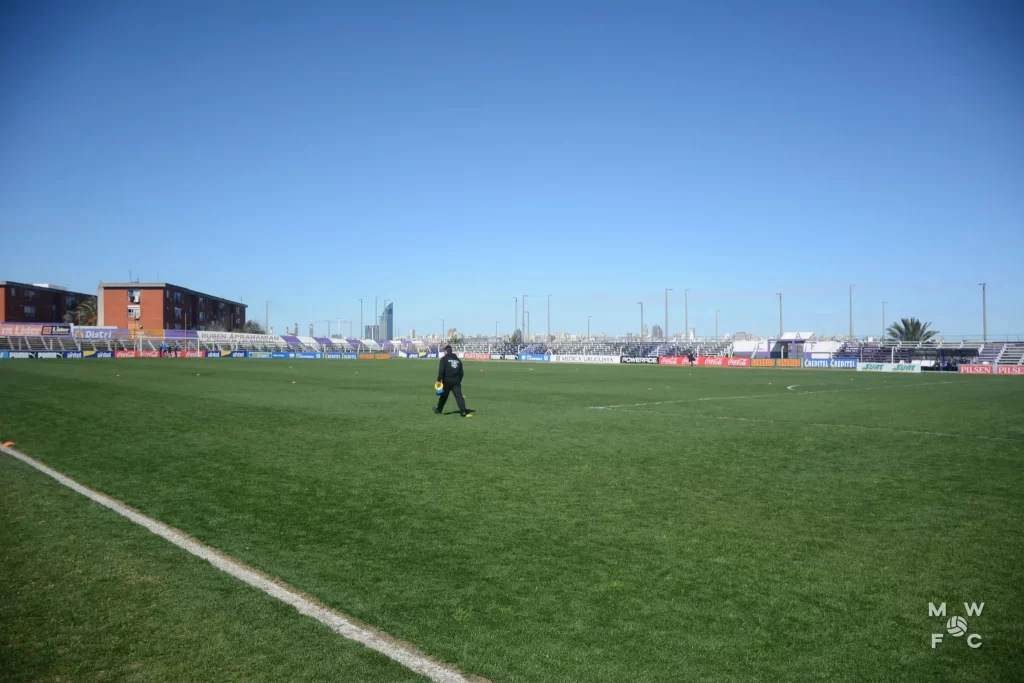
{"x":936,"y":612}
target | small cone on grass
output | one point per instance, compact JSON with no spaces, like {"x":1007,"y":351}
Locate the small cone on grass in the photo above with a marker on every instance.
{"x":8,"y":444}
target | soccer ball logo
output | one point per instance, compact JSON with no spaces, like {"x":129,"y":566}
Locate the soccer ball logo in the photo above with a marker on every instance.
{"x":957,"y":626}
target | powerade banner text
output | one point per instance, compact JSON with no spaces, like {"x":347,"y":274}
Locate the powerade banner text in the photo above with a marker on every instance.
{"x":585,"y":359}
{"x":534,"y":357}
{"x":639,"y":360}
{"x":889,"y":367}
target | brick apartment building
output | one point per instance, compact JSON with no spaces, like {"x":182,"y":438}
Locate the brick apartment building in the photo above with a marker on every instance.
{"x":25,"y":303}
{"x":162,"y":306}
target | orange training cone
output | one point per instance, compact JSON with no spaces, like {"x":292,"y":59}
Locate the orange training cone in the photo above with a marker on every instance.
{"x":8,"y":444}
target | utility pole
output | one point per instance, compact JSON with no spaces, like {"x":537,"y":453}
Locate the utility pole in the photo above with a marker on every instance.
{"x":442,"y":330}
{"x":495,"y":330}
{"x":528,"y":325}
{"x":641,"y":320}
{"x":515,"y":317}
{"x":716,"y":324}
{"x":779,"y":294}
{"x":883,"y":319}
{"x":665,"y":331}
{"x":588,"y":326}
{"x":984,"y":311}
{"x":851,"y":312}
{"x":267,"y":319}
{"x":686,"y":309}
{"x":362,"y":328}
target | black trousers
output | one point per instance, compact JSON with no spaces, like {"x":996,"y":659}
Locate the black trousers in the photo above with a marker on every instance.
{"x":459,"y":398}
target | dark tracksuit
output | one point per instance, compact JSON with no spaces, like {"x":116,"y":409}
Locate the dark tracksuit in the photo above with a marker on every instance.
{"x":449,"y":373}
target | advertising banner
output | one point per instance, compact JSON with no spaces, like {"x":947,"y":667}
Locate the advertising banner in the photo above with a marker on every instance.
{"x":496,"y":356}
{"x":257,"y":354}
{"x":673,"y":360}
{"x":816,"y":362}
{"x":601,"y":360}
{"x":382,"y":356}
{"x":1016,"y":370}
{"x":282,"y":354}
{"x":366,"y":356}
{"x":787,"y":362}
{"x":192,"y":354}
{"x":126,"y":354}
{"x":220,"y":337}
{"x":534,"y":357}
{"x":350,"y":356}
{"x":838,"y":363}
{"x":711,"y":361}
{"x":73,"y":354}
{"x":332,"y":356}
{"x":149,"y":354}
{"x":638,"y":360}
{"x":4,"y":355}
{"x":101,"y":333}
{"x":21,"y":354}
{"x":214,"y":354}
{"x":889,"y":367}
{"x":236,"y":354}
{"x":475,"y":356}
{"x":97,"y":354}
{"x":976,"y":370}
{"x":19,"y":330}
{"x":737,"y":362}
{"x":50,"y":354}
{"x":844,"y":363}
{"x":762,"y":362}
{"x":309,"y":355}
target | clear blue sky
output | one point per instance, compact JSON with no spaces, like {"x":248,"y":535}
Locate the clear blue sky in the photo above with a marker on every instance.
{"x":451,"y":156}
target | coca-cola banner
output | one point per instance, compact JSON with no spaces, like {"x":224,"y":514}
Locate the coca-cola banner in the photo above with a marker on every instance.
{"x":673,"y":360}
{"x":723,"y":362}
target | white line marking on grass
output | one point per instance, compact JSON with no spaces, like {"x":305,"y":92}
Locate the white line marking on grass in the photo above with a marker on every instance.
{"x":753,"y":396}
{"x":341,"y":624}
{"x":916,"y":432}
{"x":791,"y":387}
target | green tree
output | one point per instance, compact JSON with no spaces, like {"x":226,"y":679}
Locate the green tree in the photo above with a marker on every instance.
{"x":516,"y":338}
{"x":252,"y":327}
{"x":85,"y":313}
{"x":911,"y":330}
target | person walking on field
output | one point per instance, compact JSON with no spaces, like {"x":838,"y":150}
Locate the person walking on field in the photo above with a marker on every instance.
{"x":449,"y":374}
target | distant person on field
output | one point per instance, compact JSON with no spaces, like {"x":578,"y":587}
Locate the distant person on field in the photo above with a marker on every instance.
{"x":449,"y":374}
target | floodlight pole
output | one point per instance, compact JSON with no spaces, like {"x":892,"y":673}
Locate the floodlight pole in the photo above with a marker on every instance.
{"x":984,"y":311}
{"x":523,"y":328}
{"x":883,"y":319}
{"x":267,"y":318}
{"x":515,"y":317}
{"x":716,"y":324}
{"x":588,"y":326}
{"x":361,"y":326}
{"x":779,"y":294}
{"x":664,"y":332}
{"x":851,"y":312}
{"x":548,"y":340}
{"x":686,"y":314}
{"x":641,"y":320}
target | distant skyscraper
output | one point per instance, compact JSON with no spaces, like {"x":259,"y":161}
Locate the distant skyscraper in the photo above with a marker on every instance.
{"x":657,"y":332}
{"x":452,"y":332}
{"x":372,"y":332}
{"x":386,"y":322}
{"x":412,"y":333}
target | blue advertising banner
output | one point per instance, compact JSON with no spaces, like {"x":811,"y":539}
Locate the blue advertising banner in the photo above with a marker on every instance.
{"x":259,"y":354}
{"x":97,"y":354}
{"x":332,"y":356}
{"x":239,"y":354}
{"x":3,"y":355}
{"x":308,"y":355}
{"x":282,"y":354}
{"x":845,"y":363}
{"x":213,"y":354}
{"x":817,"y":362}
{"x":837,"y":363}
{"x":534,"y":357}
{"x":350,"y":356}
{"x":73,"y":354}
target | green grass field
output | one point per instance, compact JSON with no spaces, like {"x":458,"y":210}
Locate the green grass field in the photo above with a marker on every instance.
{"x":717,"y":527}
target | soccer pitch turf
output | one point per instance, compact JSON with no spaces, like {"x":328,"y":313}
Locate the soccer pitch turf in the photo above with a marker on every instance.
{"x":718,"y":524}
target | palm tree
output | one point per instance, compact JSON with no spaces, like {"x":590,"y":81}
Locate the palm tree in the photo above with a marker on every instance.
{"x":911,"y":330}
{"x":85,"y":314}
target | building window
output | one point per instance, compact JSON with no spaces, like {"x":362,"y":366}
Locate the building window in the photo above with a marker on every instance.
{"x":30,"y":311}
{"x":177,"y":313}
{"x":167,"y":294}
{"x":178,"y":298}
{"x":135,"y":295}
{"x":14,"y":291}
{"x":202,"y":316}
{"x":30,"y":295}
{"x":70,"y":301}
{"x":222,"y":307}
{"x":135,"y":312}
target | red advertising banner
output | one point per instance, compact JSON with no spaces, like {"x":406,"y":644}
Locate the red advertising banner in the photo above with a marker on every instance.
{"x":476,"y":356}
{"x":711,"y":361}
{"x":673,"y":360}
{"x":149,"y":354}
{"x":126,"y":354}
{"x":1010,"y":370}
{"x":192,"y":354}
{"x":738,"y":362}
{"x":976,"y":369}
